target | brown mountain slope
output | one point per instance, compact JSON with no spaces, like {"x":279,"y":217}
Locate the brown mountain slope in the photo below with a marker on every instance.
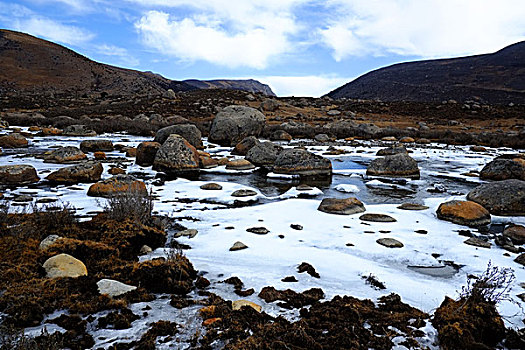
{"x":32,"y":65}
{"x":497,"y":78}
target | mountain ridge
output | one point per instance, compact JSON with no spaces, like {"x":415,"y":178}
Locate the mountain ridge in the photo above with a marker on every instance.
{"x":497,"y":78}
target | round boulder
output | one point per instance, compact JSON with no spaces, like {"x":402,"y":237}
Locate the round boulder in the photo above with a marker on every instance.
{"x":264,"y":154}
{"x":506,"y":198}
{"x":68,"y":154}
{"x":146,"y":152}
{"x":345,"y":206}
{"x":85,"y":172}
{"x":189,"y":131}
{"x":64,"y":265}
{"x":177,"y":157}
{"x":464,"y":213}
{"x":234,"y":123}
{"x":301,"y":162}
{"x":516,"y":233}
{"x":504,"y":169}
{"x":117,"y":184}
{"x":18,"y":174}
{"x":398,"y":165}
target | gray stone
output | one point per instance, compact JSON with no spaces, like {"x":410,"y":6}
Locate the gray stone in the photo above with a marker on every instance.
{"x":234,"y":123}
{"x":189,"y":131}
{"x":377,"y":218}
{"x":190,"y":233}
{"x":211,"y":186}
{"x":238,"y":246}
{"x":398,"y":165}
{"x":176,"y":156}
{"x":477,"y":242}
{"x":49,"y":241}
{"x":263,"y":154}
{"x":301,"y":162}
{"x":390,"y":243}
{"x":506,"y":198}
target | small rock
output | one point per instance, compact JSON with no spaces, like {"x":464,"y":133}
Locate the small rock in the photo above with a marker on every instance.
{"x":289,"y":279}
{"x":412,"y":206}
{"x":190,"y":233}
{"x":258,"y":230}
{"x":296,"y":227}
{"x":238,"y":304}
{"x":49,"y":241}
{"x":244,"y":193}
{"x":377,"y":218}
{"x":146,"y":249}
{"x":338,"y":206}
{"x":211,"y":187}
{"x":390,"y":243}
{"x":477,"y":242}
{"x":240,"y":164}
{"x":322,"y":138}
{"x":238,"y":246}
{"x":64,"y":265}
{"x":396,"y":149}
{"x":116,"y":171}
{"x":67,"y":154}
{"x":309,"y":269}
{"x":113,"y":288}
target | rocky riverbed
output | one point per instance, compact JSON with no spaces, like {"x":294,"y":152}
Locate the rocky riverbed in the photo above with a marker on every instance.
{"x":280,"y":225}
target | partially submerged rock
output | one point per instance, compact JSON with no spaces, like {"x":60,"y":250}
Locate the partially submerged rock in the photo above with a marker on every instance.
{"x":301,"y":162}
{"x":15,"y":140}
{"x":177,"y":157}
{"x":245,"y":145}
{"x":64,"y":265}
{"x":238,"y":304}
{"x":506,"y":198}
{"x":18,"y":174}
{"x":263,"y":154}
{"x":466,"y":213}
{"x":398,"y":165}
{"x":84,"y":172}
{"x":62,"y":155}
{"x":117,"y":184}
{"x":344,"y":206}
{"x":96,"y":145}
{"x":78,"y":130}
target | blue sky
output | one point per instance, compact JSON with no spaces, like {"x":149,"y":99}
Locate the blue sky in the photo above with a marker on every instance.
{"x":298,"y":47}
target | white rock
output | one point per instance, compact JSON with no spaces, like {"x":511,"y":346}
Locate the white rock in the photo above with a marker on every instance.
{"x":49,"y":241}
{"x":113,"y":288}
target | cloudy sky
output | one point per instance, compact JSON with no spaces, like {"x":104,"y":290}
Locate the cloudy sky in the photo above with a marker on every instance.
{"x":298,"y":47}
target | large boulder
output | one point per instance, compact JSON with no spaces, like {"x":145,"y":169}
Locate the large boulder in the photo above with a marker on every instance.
{"x":341,"y":128}
{"x":301,"y":162}
{"x":234,"y":123}
{"x":15,"y":140}
{"x":117,"y":184}
{"x":68,"y":154}
{"x":341,"y":206}
{"x":504,"y":169}
{"x":96,"y":145}
{"x":176,"y":156}
{"x":245,"y":145}
{"x":264,"y":154}
{"x":146,"y":152}
{"x":18,"y":174}
{"x":64,"y":265}
{"x":84,"y":172}
{"x":189,"y":131}
{"x":464,"y":213}
{"x":397,"y":165}
{"x":505,"y":197}
{"x":78,"y":130}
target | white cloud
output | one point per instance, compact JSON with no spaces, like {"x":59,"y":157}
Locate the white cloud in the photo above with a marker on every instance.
{"x":120,"y":54}
{"x":233,"y":34}
{"x":311,"y":86}
{"x":431,"y":28}
{"x":52,"y":30}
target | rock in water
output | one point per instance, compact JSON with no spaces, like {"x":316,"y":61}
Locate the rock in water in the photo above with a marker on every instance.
{"x":263,"y":154}
{"x":338,"y":206}
{"x":188,"y":131}
{"x":245,"y":145}
{"x":398,"y":165}
{"x":64,"y":265}
{"x":113,"y":288}
{"x":234,"y":123}
{"x":301,"y":162}
{"x":15,"y":140}
{"x":96,"y":145}
{"x":377,"y":218}
{"x":67,"y":154}
{"x":240,"y":164}
{"x":177,"y":157}
{"x":504,"y":169}
{"x":117,"y":184}
{"x":466,"y":213}
{"x":506,"y":198}
{"x":18,"y":174}
{"x":146,"y":152}
{"x":244,"y":193}
{"x":85,"y":172}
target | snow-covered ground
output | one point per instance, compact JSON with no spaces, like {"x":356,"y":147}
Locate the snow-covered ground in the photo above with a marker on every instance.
{"x":342,"y":248}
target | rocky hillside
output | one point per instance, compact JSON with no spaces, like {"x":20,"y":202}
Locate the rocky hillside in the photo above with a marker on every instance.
{"x":249,"y":85}
{"x":497,"y":78}
{"x":33,"y":65}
